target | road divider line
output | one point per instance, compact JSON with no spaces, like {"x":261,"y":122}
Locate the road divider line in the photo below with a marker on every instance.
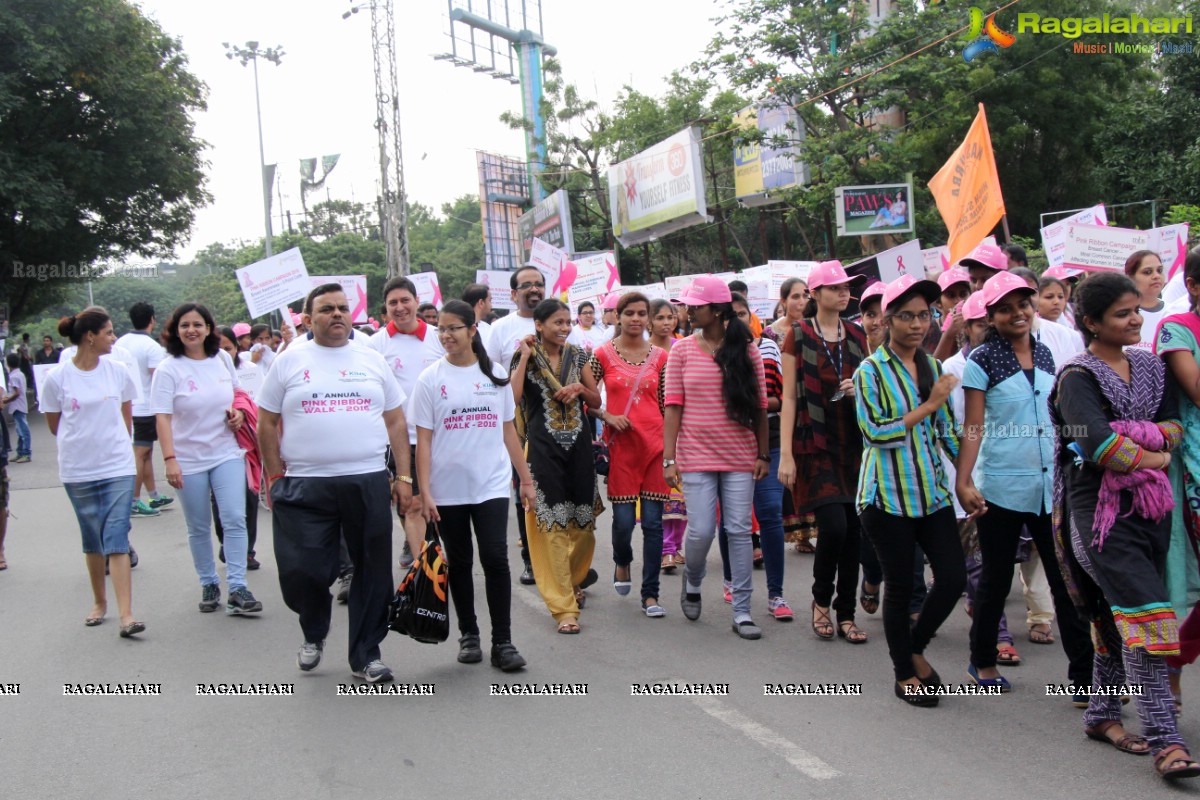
{"x":804,"y":761}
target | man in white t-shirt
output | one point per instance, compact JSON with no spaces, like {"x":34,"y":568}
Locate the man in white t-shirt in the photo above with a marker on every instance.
{"x":147,"y":354}
{"x":408,"y":345}
{"x":326,"y":413}
{"x":479,"y":297}
{"x":528,"y":289}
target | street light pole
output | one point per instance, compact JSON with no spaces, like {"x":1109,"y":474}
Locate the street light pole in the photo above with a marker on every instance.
{"x":250,"y":55}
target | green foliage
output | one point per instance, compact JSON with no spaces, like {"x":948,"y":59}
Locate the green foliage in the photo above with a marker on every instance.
{"x":1184,"y":213}
{"x":98,"y":157}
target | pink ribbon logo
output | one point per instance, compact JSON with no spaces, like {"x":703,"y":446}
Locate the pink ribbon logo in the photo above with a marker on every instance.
{"x":191,"y":385}
{"x":399,"y":365}
{"x":306,"y":377}
{"x":1180,"y":256}
{"x":613,"y":276}
{"x":74,"y":404}
{"x":900,"y":265}
{"x":444,"y":395}
{"x":437,"y":295}
{"x":360,"y":307}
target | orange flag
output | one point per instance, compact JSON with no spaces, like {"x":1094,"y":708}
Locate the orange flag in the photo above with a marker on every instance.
{"x":967,"y":190}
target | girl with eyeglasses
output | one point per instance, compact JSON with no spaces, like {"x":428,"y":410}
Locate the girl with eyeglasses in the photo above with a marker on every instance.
{"x":903,"y":495}
{"x":551,"y":381}
{"x":463,"y":408}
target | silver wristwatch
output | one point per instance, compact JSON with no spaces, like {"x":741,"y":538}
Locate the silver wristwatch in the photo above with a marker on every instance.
{"x":668,"y":462}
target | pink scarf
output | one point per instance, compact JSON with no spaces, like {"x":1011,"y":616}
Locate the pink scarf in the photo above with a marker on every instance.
{"x":1152,"y":497}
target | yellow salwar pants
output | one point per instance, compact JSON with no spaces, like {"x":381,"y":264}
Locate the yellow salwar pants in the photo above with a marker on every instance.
{"x":561,"y":560}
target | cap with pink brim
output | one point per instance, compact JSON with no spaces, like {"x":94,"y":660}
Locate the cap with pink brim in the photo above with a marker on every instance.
{"x":909,"y":284}
{"x":706,"y":289}
{"x":1002,"y":284}
{"x":952,"y":276}
{"x":830,"y":273}
{"x":873,"y":292}
{"x":988,"y":256}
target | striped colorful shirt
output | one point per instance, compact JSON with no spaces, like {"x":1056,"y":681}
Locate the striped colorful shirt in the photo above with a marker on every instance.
{"x":709,"y":441}
{"x":901,"y":472}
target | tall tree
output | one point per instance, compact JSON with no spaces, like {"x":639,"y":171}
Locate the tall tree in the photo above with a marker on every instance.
{"x":98,"y":155}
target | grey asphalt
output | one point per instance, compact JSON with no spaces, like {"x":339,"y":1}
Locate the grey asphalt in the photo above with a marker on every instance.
{"x":462,"y":742}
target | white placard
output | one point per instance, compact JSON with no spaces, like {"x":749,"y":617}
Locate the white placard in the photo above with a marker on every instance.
{"x":1171,"y":242}
{"x":653,"y":291}
{"x":676,"y":284}
{"x":595,"y":276}
{"x":1054,"y":237}
{"x":905,"y":259}
{"x":1100,"y":248}
{"x":355,"y":287}
{"x":274,"y":282}
{"x":497,"y":281}
{"x":546,"y":256}
{"x":428,"y":290}
{"x":937,"y":261}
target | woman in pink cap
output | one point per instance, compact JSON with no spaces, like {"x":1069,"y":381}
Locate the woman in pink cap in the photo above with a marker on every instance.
{"x":821,"y":353}
{"x":903,"y":494}
{"x":715,"y":440}
{"x":1007,"y":383}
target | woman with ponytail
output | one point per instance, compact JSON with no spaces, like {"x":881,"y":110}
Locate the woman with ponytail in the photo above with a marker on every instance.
{"x":87,"y":403}
{"x":463,"y":409}
{"x":551,"y":381}
{"x":715,"y":439}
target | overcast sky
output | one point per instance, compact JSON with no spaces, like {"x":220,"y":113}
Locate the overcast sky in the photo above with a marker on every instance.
{"x":321,"y":99}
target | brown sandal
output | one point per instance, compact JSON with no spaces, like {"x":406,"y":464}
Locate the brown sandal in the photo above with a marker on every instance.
{"x":1126,"y":744}
{"x":1040,"y":633}
{"x":1175,"y":768}
{"x":571,"y":626}
{"x":851,"y":633}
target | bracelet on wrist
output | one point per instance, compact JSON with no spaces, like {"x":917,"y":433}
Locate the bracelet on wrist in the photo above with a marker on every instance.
{"x":274,"y":478}
{"x":405,"y":479}
{"x":764,"y":457}
{"x":168,"y":458}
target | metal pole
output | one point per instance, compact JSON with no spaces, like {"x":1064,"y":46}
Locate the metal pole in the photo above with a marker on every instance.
{"x":262,"y":163}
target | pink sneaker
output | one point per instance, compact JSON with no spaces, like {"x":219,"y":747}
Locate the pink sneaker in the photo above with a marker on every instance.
{"x":779,"y":609}
{"x":728,"y":590}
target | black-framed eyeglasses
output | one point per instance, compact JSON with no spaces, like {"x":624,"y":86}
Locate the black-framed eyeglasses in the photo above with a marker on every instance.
{"x":907,"y":316}
{"x":450,"y":330}
{"x":527,"y":285}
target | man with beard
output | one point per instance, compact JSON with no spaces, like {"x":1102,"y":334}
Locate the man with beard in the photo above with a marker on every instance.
{"x":528,"y":289}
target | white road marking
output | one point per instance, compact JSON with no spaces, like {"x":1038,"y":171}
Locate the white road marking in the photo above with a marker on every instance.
{"x":797,"y":756}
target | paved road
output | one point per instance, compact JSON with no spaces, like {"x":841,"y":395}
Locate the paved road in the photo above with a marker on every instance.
{"x":462,"y":742}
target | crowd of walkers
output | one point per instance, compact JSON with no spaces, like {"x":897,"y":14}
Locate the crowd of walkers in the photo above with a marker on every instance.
{"x":937,"y":435}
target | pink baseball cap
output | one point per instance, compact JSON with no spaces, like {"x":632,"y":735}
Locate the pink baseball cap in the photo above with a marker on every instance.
{"x":1063,"y":273}
{"x":952,"y":276}
{"x":973,"y":307}
{"x":989,"y":256}
{"x":706,"y":289}
{"x":830,"y":273}
{"x":241,"y":329}
{"x":1001,"y":284}
{"x":908,"y":284}
{"x":875,"y":290}
{"x":610,"y":301}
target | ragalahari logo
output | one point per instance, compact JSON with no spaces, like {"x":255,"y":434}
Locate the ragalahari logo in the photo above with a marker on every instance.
{"x":985,"y":35}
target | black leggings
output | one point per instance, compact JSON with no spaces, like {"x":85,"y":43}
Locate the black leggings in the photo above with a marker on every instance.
{"x":999,"y":533}
{"x":490,"y":520}
{"x":895,"y":539}
{"x":837,"y":552}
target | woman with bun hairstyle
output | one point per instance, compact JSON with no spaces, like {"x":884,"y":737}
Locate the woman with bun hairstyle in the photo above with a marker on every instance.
{"x":87,"y":403}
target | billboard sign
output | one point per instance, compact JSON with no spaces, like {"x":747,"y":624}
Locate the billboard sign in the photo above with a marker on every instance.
{"x":659,"y":190}
{"x":768,"y":166}
{"x":874,"y":210}
{"x":550,"y":221}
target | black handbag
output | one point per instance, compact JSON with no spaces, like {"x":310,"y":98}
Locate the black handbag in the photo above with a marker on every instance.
{"x":421,"y":607}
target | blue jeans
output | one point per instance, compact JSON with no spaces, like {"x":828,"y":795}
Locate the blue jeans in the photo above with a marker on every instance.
{"x":735,"y":492}
{"x":227,"y":482}
{"x":24,"y":441}
{"x":652,"y":540}
{"x":768,"y":508}
{"x":102,"y":508}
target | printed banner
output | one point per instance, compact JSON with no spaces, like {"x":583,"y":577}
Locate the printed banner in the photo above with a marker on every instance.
{"x":936,"y":260}
{"x":905,"y":259}
{"x":1099,"y":247}
{"x":967,"y":190}
{"x":356,"y":293}
{"x":873,"y":210}
{"x":1054,"y":237}
{"x":1171,"y":242}
{"x":428,"y":290}
{"x":659,"y":190}
{"x":274,"y":282}
{"x":497,"y":281}
{"x":550,"y":221}
{"x":595,"y":276}
{"x":676,"y":284}
{"x":772,"y":164}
